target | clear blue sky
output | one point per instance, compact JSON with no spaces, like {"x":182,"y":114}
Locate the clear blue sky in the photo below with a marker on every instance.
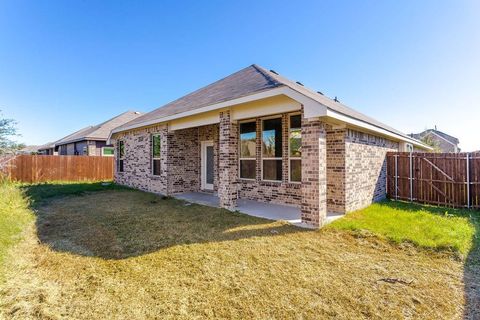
{"x":411,"y":64}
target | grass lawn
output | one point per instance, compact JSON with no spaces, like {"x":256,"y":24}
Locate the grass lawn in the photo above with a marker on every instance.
{"x":424,"y":226}
{"x":96,"y":251}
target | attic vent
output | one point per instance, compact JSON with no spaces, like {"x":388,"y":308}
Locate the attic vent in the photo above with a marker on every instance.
{"x":319,"y":92}
{"x":273,"y":71}
{"x":298,"y":82}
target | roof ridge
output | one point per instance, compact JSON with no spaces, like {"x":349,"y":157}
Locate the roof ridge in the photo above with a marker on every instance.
{"x":271,"y":80}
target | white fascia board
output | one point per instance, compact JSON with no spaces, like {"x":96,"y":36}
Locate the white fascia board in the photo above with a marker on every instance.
{"x":372,"y":128}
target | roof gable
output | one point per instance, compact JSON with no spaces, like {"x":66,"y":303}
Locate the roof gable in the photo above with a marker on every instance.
{"x":247,"y":81}
{"x":100,"y":131}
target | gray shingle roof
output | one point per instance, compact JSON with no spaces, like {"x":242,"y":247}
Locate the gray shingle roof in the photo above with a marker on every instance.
{"x":250,"y":80}
{"x":447,"y":137}
{"x":100,"y":131}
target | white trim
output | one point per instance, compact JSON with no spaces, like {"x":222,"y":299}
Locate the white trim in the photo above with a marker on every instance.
{"x":306,"y":101}
{"x":311,"y":109}
{"x":364,"y":125}
{"x":108,"y":155}
{"x":203,"y":169}
{"x":261,"y":148}
{"x":152,"y":157}
{"x":288,"y":146}
{"x":254,"y":120}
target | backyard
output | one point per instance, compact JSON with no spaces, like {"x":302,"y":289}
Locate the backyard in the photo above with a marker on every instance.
{"x":89,"y":250}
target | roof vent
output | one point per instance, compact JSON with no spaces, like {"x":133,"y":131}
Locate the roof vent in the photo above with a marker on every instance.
{"x":273,"y":71}
{"x":336,"y":99}
{"x":136,"y":112}
{"x":298,"y":82}
{"x":320,"y":92}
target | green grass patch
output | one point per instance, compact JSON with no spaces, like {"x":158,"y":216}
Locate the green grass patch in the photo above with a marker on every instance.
{"x":41,"y":192}
{"x":424,"y":226}
{"x":14,"y":217}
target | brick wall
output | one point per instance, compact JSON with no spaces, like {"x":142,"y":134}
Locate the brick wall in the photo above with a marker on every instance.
{"x":314,"y":172}
{"x":356,"y":169}
{"x":228,"y":165}
{"x":137,"y":162}
{"x":336,"y":170}
{"x":183,"y":162}
{"x":179,"y":169}
{"x":365,"y":168}
{"x":282,"y":192}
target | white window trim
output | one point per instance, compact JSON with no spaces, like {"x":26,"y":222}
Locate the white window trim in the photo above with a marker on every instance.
{"x":203,"y":169}
{"x":261,"y":149}
{"x":119,"y":156}
{"x":240,"y":151}
{"x":288,"y":143}
{"x":152,"y":157}
{"x":108,"y":155}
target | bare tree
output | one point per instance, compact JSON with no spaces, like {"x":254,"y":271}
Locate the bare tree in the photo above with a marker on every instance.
{"x":7,"y":131}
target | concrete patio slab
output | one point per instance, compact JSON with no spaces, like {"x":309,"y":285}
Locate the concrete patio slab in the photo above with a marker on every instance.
{"x":255,"y":208}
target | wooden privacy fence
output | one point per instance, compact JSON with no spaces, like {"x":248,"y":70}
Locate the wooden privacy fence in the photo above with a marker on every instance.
{"x":445,"y":179}
{"x":40,"y":168}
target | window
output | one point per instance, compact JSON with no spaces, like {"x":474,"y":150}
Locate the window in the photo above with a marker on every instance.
{"x":121,"y":155}
{"x":107,"y":151}
{"x":248,"y":142}
{"x":272,"y":149}
{"x":156,"y":155}
{"x":295,"y":148}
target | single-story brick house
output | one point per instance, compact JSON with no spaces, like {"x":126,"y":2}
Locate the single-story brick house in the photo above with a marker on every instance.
{"x":257,"y":135}
{"x":91,"y":140}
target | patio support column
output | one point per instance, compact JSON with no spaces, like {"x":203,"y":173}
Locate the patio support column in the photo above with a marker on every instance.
{"x":314,"y":172}
{"x":228,"y":164}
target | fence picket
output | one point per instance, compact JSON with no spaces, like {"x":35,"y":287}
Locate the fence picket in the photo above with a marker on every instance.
{"x":40,"y":168}
{"x":442,"y":179}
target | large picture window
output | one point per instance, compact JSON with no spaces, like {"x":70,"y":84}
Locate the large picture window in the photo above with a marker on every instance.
{"x":272,"y":149}
{"x":295,"y":148}
{"x":248,"y":140}
{"x":120,"y":155}
{"x":156,"y":154}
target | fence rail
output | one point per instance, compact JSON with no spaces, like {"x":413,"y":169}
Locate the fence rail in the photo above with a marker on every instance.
{"x":446,"y":179}
{"x":41,"y":168}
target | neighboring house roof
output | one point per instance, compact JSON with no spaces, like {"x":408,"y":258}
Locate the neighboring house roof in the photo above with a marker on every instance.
{"x":46,"y":146}
{"x":441,"y":134}
{"x":29,"y":149}
{"x":99,"y":132}
{"x":248,"y":81}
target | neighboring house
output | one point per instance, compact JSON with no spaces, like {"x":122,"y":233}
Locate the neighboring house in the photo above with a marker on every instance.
{"x":29,"y":150}
{"x":257,"y":135}
{"x":47,"y":149}
{"x":92,"y":140}
{"x":445,"y":142}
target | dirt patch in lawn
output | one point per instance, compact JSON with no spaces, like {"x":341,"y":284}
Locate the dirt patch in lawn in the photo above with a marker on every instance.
{"x":128,"y":254}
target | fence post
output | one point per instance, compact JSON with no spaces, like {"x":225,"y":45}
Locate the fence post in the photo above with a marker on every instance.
{"x":468,"y":180}
{"x":396,"y":177}
{"x":411,"y":178}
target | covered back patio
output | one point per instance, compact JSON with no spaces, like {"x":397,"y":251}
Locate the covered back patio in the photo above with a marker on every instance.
{"x":254,"y":208}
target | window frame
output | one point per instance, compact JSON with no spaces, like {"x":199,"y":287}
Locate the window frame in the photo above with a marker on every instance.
{"x":277,"y":116}
{"x":240,"y":158}
{"x":152,"y":156}
{"x":108,"y":155}
{"x":289,"y":154}
{"x":120,"y":157}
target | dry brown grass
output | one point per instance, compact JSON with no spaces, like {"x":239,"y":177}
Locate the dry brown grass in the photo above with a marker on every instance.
{"x":124,"y":254}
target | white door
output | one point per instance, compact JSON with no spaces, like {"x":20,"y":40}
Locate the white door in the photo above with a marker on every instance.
{"x":207,"y":165}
